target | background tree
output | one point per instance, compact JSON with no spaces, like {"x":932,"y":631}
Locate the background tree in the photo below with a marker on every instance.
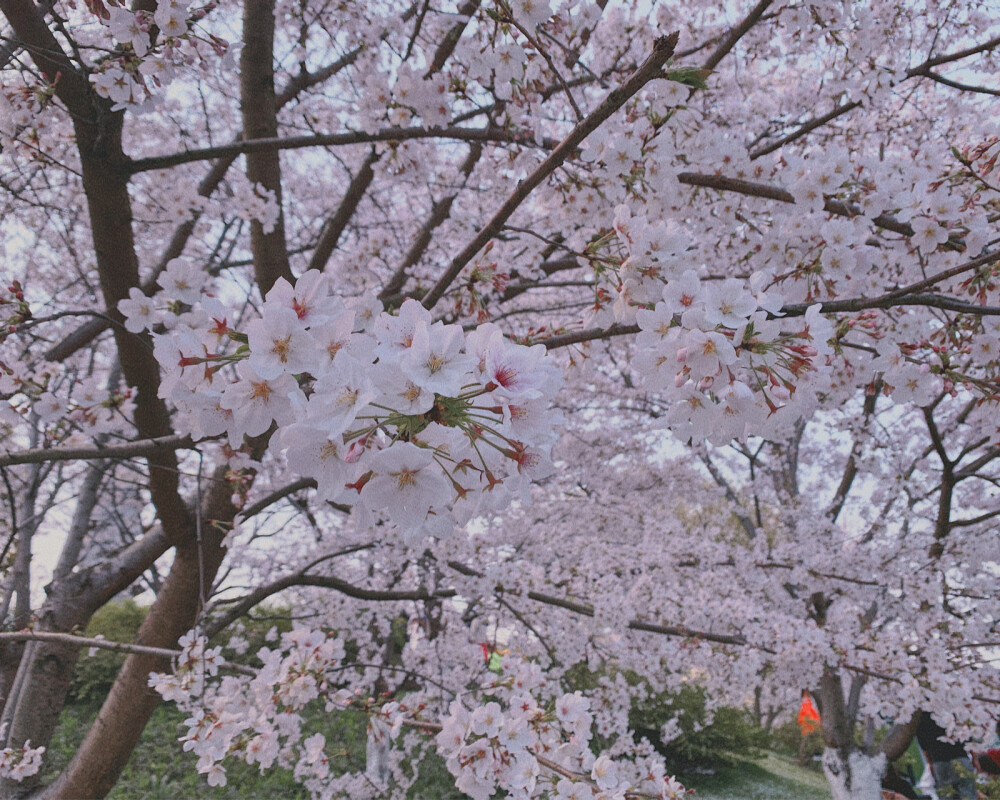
{"x":305,"y":331}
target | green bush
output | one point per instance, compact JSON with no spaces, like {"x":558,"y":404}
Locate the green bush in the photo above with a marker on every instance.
{"x":731,"y":731}
{"x":705,"y":739}
{"x":117,"y":621}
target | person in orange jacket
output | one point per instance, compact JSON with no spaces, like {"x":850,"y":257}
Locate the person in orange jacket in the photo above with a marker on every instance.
{"x":808,"y":724}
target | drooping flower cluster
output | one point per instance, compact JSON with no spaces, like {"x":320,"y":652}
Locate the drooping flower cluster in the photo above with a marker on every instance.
{"x":728,"y":364}
{"x":526,"y":746}
{"x":257,"y":721}
{"x":18,"y":763}
{"x":393,"y":413}
{"x":144,"y":63}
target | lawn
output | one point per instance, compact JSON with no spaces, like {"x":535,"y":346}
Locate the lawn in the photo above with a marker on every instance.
{"x":770,"y":777}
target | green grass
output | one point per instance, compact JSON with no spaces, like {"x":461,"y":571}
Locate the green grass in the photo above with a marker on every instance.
{"x":771,"y":777}
{"x":160,"y":770}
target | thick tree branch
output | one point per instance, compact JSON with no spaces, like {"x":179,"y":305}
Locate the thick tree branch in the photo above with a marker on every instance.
{"x":97,"y":764}
{"x":301,"y":578}
{"x":260,"y":122}
{"x":83,"y":335}
{"x":587,"y":610}
{"x":337,"y":224}
{"x":439,"y":213}
{"x":769,"y":192}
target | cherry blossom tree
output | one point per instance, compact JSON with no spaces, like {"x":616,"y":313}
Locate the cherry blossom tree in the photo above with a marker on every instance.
{"x":656,"y":339}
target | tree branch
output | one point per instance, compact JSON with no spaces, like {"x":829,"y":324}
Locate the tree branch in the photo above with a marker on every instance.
{"x":260,"y":122}
{"x":737,"y":33}
{"x":649,"y":69}
{"x":276,"y":143}
{"x":142,"y":447}
{"x":336,"y":224}
{"x":85,"y":641}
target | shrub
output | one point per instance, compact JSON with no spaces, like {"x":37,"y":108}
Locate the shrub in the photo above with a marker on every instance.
{"x":117,"y":621}
{"x":706,"y":738}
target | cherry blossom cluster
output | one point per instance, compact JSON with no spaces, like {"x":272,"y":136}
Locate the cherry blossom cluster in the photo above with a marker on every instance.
{"x":529,"y":750}
{"x":90,"y":408}
{"x":14,"y":309}
{"x":257,"y":721}
{"x":393,"y":412}
{"x":152,"y":47}
{"x":71,"y":409}
{"x":18,"y":763}
{"x":718,"y":349}
{"x":23,"y":108}
{"x":17,"y":109}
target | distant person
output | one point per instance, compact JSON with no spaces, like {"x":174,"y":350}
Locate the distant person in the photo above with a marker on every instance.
{"x":809,"y":725}
{"x":950,"y":764}
{"x":988,"y":761}
{"x":896,"y":787}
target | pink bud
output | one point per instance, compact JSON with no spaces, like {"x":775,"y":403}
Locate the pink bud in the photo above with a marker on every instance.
{"x":706,"y":382}
{"x":682,"y":355}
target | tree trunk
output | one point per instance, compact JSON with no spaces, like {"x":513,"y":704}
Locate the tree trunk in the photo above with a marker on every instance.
{"x":854,"y":777}
{"x":377,"y":753}
{"x":851,"y":773}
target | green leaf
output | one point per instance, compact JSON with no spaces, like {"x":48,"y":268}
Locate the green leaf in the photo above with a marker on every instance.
{"x":689,"y":76}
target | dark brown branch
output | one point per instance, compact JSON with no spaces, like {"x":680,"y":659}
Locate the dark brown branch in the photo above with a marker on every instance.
{"x":260,"y":122}
{"x":851,"y":467}
{"x":804,"y":128}
{"x":649,"y":69}
{"x":640,"y":625}
{"x":585,"y":609}
{"x":958,"y":55}
{"x":720,"y":480}
{"x":862,"y":303}
{"x":588,"y":335}
{"x":275,"y":143}
{"x":963,"y":87}
{"x":769,"y":192}
{"x":920,"y":69}
{"x":439,"y":213}
{"x":898,"y":739}
{"x":337,"y":224}
{"x":737,"y":33}
{"x":323,"y":581}
{"x":972,"y":467}
{"x":83,"y":335}
{"x":450,"y":41}
{"x":279,"y":494}
{"x":960,"y":523}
